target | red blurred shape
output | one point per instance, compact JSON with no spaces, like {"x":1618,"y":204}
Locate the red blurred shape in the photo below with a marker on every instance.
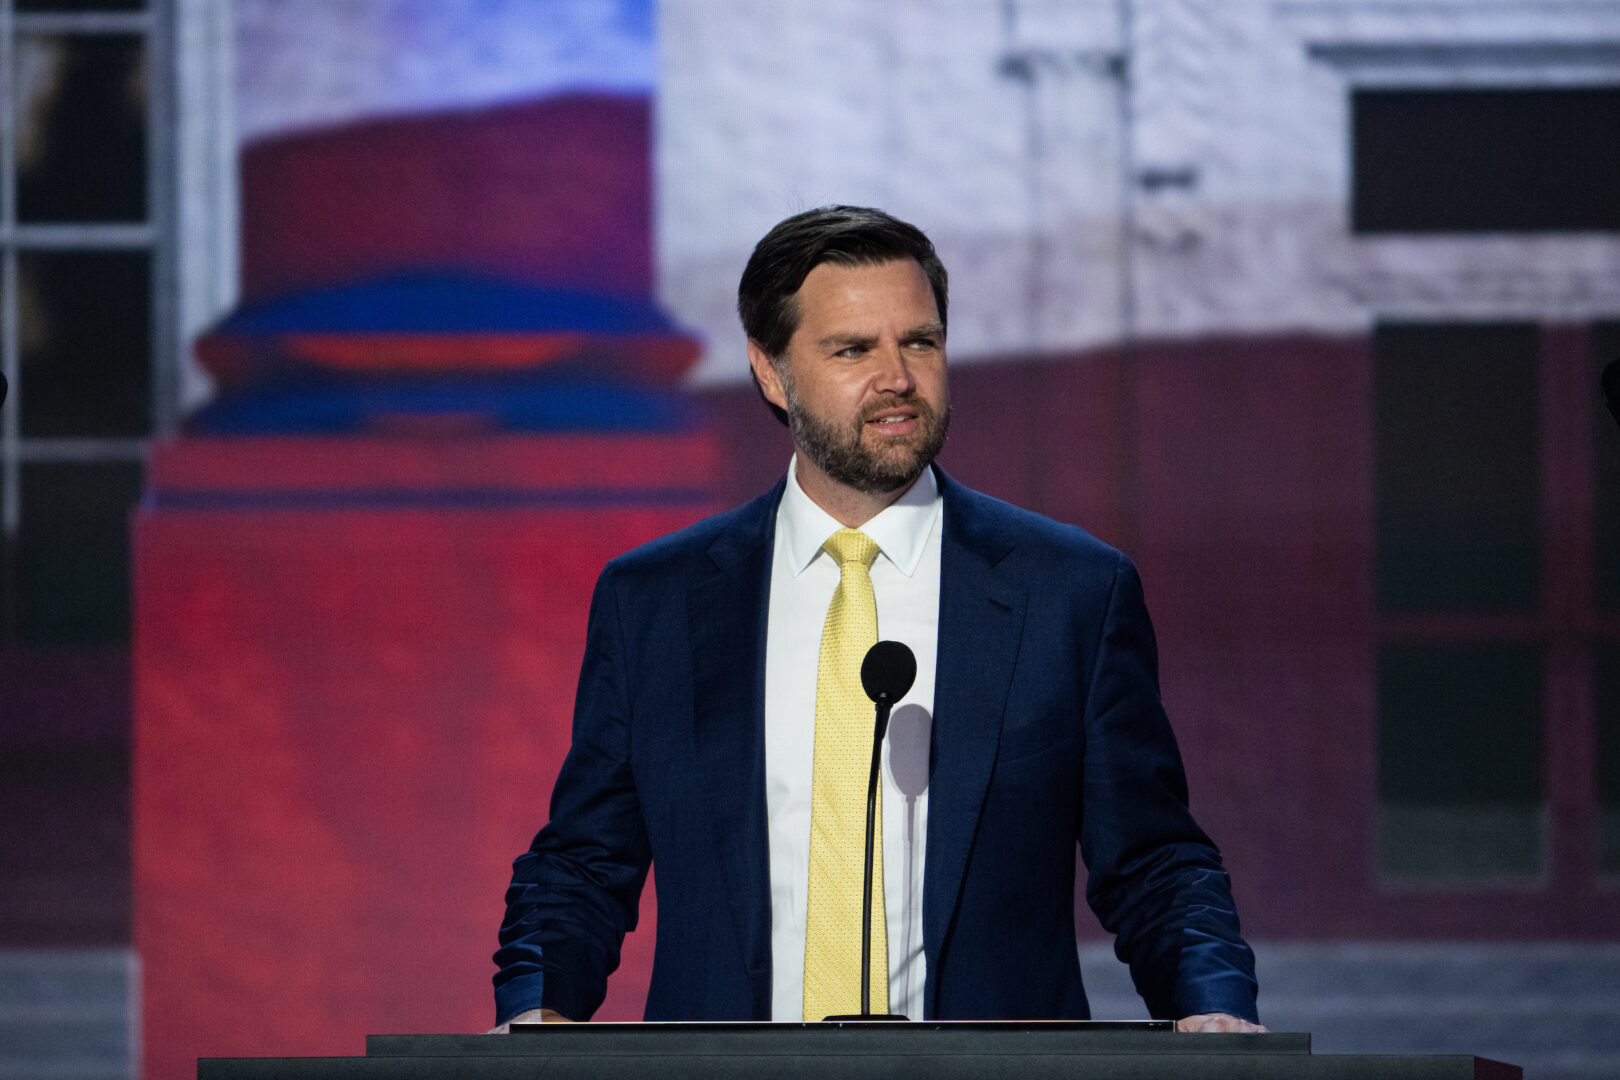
{"x":556,"y":191}
{"x":349,"y":713}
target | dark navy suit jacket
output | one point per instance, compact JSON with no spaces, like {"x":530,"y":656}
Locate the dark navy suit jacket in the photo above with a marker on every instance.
{"x":1047,"y":731}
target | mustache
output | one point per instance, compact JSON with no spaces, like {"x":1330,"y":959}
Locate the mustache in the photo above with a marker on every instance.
{"x":870,"y":410}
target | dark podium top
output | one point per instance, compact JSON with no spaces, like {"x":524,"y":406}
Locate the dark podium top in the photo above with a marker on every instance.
{"x":992,"y":1050}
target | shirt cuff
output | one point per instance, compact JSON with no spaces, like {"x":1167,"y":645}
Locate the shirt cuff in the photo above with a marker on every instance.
{"x":518,"y":995}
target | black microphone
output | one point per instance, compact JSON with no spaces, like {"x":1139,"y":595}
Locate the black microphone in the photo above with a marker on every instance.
{"x":1611,"y":390}
{"x":886,"y":674}
{"x":3,"y":389}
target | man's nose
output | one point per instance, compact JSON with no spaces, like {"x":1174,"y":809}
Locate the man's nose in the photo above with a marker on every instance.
{"x":894,"y":370}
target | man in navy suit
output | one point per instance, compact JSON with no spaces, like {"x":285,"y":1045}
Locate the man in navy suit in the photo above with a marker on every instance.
{"x":1034,"y":726}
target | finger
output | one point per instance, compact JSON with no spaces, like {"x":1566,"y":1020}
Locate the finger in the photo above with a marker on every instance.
{"x":1218,"y":1022}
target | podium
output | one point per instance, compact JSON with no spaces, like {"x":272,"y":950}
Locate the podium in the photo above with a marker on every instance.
{"x":982,"y":1050}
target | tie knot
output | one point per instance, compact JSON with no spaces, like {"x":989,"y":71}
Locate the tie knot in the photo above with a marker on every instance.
{"x":851,"y":546}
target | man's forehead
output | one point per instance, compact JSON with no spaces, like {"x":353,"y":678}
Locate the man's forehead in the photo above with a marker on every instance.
{"x":832,"y":289}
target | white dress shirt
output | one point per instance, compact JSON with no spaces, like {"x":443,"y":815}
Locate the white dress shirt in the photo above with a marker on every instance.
{"x":905,"y":579}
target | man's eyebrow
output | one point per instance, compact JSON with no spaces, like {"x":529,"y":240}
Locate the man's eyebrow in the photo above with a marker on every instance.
{"x":845,"y":340}
{"x":927,"y":329}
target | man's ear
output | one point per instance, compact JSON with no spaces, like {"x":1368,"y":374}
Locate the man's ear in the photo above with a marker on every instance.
{"x":766,"y":375}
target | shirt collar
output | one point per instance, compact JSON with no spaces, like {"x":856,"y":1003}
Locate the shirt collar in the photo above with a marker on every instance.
{"x":901,"y":530}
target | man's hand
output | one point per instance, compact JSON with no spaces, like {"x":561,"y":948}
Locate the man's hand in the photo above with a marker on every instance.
{"x":533,"y":1016}
{"x":1217,"y":1022}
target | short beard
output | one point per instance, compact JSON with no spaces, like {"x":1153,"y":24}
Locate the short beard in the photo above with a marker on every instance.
{"x":843,"y":455}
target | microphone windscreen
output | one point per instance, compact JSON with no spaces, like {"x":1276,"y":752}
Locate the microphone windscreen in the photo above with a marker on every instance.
{"x":1611,"y":388}
{"x":888,"y":671}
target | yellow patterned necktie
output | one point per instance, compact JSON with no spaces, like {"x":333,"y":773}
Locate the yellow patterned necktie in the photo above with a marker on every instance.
{"x":843,"y":761}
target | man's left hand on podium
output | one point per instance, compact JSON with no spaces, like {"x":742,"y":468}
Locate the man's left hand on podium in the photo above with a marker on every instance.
{"x":533,"y":1016}
{"x":1217,"y":1022}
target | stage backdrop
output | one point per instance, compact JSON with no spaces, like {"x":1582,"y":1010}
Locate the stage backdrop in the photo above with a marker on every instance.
{"x":1300,"y":304}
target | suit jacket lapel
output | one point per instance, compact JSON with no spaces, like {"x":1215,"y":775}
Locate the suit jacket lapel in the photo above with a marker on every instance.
{"x":981,"y":623}
{"x":727,"y":613}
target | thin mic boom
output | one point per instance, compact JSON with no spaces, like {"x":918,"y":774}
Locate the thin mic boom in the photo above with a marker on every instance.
{"x":886,"y":674}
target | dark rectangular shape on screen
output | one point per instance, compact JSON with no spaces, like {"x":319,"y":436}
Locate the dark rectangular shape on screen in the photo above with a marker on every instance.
{"x":1607,"y":668}
{"x":83,"y":127}
{"x":1460,"y":724}
{"x":80,"y":5}
{"x":1485,"y":160}
{"x":1460,"y":759}
{"x":1456,"y":476}
{"x":1605,"y":475}
{"x":10,"y":575}
{"x":73,"y":554}
{"x":86,"y":329}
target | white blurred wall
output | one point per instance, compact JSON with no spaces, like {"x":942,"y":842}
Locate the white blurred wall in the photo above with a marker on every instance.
{"x":1005,"y":129}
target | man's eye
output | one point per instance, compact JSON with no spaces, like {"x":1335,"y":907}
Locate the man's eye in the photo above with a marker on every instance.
{"x":923,"y":343}
{"x":850,"y":352}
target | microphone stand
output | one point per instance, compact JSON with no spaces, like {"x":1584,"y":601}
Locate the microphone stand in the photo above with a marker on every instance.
{"x":886,"y":674}
{"x":884,"y":704}
{"x":883,"y":707}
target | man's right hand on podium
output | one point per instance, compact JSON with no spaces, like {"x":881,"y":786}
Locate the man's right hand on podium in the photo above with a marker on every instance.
{"x":533,"y":1016}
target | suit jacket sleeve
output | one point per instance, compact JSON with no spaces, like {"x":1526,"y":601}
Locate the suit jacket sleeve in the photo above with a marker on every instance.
{"x":1156,"y":881}
{"x":575,"y":892}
